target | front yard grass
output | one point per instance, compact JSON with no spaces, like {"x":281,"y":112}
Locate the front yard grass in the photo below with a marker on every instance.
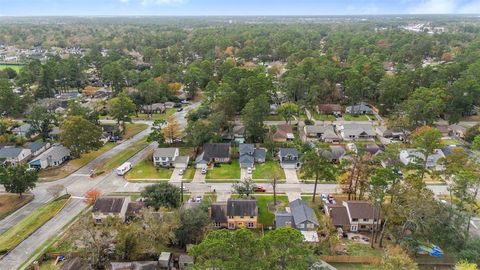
{"x":71,"y":166}
{"x":121,"y":157}
{"x":156,"y":116}
{"x":450,"y":142}
{"x":189,"y":174}
{"x":225,"y":171}
{"x":16,"y":234}
{"x":322,"y":117}
{"x":146,"y":170}
{"x":359,"y":117}
{"x":132,"y":129}
{"x":268,"y":170}
{"x":265,"y":216}
{"x":9,"y":203}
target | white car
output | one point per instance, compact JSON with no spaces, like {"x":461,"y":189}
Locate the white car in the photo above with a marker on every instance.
{"x":204,"y":171}
{"x":352,"y":147}
{"x":198,"y":199}
{"x":249,"y":170}
{"x":181,"y":172}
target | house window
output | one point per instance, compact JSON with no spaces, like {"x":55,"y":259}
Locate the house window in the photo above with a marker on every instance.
{"x":288,"y":224}
{"x":301,"y":226}
{"x":241,"y":216}
{"x":230,"y":217}
{"x":365,"y":219}
{"x":354,"y":219}
{"x":363,"y":226}
{"x":217,"y":224}
{"x":231,"y":225}
{"x":98,"y":220}
{"x":310,"y":226}
{"x":251,"y":216}
{"x":250,"y":225}
{"x":354,"y":228}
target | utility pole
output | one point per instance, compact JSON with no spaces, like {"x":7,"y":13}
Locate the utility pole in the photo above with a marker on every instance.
{"x":181,"y":191}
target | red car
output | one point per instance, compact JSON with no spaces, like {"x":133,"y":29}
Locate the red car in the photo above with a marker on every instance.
{"x":260,"y":189}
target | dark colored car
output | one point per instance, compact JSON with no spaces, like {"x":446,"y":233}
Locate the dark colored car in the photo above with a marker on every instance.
{"x":260,"y":189}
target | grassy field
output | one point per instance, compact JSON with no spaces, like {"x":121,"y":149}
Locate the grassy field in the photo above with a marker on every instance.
{"x":274,"y":117}
{"x":132,"y":129}
{"x":450,"y":142}
{"x":16,"y":234}
{"x":267,"y":170}
{"x":266,"y":217}
{"x":357,"y":249}
{"x":73,"y":165}
{"x":15,"y":67}
{"x":360,"y":117}
{"x":225,"y":171}
{"x":9,"y":203}
{"x":158,"y":116}
{"x":123,"y":156}
{"x":322,"y":117}
{"x":146,"y":170}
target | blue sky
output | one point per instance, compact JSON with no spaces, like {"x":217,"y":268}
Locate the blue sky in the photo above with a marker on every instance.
{"x":234,"y":7}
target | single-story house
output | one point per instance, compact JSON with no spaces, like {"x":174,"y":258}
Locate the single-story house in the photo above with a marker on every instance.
{"x":354,"y":131}
{"x":457,"y":131}
{"x":155,"y":108}
{"x":213,"y":152}
{"x":249,"y":155}
{"x":353,"y":216}
{"x":37,"y":147}
{"x":112,"y":131}
{"x":105,"y":207}
{"x":325,"y":133}
{"x":329,"y":108}
{"x":444,"y":130}
{"x":53,"y":157}
{"x":415,"y":156}
{"x":185,"y":262}
{"x":165,"y":260}
{"x":15,"y":155}
{"x":289,"y":158}
{"x":23,"y":130}
{"x":385,"y":132}
{"x":236,"y":134}
{"x":334,"y":153}
{"x":234,"y":214}
{"x":283,"y":133}
{"x":373,"y":149}
{"x":360,"y":108}
{"x":301,"y":217}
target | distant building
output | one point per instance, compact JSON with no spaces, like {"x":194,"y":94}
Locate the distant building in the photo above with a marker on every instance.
{"x":415,"y":156}
{"x":354,"y":131}
{"x":283,"y":133}
{"x":213,"y":153}
{"x":53,"y":157}
{"x":15,"y":155}
{"x":289,"y":158}
{"x":105,"y":207}
{"x":360,"y":108}
{"x":325,"y":133}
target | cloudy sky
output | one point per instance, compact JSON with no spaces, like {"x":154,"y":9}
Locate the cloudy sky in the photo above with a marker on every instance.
{"x":235,"y":7}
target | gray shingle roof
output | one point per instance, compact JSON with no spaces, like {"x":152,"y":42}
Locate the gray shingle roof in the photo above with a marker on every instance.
{"x":260,"y":153}
{"x":359,"y":108}
{"x":283,"y":152}
{"x":242,"y":207}
{"x":246,"y":159}
{"x":360,"y":209}
{"x":355,"y":129}
{"x":281,"y":219}
{"x":219,"y":212}
{"x":56,"y":152}
{"x":215,"y":150}
{"x":165,"y":152}
{"x":245,"y":148}
{"x":108,"y":205}
{"x":10,"y":152}
{"x":35,"y":146}
{"x":301,"y":212}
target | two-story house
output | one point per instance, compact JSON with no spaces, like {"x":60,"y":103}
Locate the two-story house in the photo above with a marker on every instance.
{"x":234,"y":214}
{"x":249,"y":155}
{"x":165,"y":157}
{"x":289,"y":158}
{"x":301,"y":217}
{"x":213,"y":153}
{"x":353,"y":216}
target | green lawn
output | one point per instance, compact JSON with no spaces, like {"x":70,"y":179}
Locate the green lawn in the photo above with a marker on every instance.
{"x":450,"y":142}
{"x":357,"y":249}
{"x":274,"y":117}
{"x":225,"y":171}
{"x":266,"y":217}
{"x":268,"y":170}
{"x":351,"y":266}
{"x":71,"y":166}
{"x":132,"y":129}
{"x":146,"y":170}
{"x":9,"y":203}
{"x":322,"y":117}
{"x":360,"y":117}
{"x":189,"y":174}
{"x":15,"y":67}
{"x":121,"y":157}
{"x":16,"y":234}
{"x":158,"y":116}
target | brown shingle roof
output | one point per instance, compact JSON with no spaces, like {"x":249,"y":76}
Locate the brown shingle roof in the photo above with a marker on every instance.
{"x":108,"y":205}
{"x":282,"y":131}
{"x":134,"y":208}
{"x":241,"y":207}
{"x":360,"y":209}
{"x":339,"y":215}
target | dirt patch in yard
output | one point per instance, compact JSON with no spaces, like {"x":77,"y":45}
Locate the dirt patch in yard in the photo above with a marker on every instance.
{"x":9,"y":203}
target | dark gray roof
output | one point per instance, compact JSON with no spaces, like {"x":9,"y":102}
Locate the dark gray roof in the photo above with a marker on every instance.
{"x":358,"y":129}
{"x":219,"y":212}
{"x":301,"y":212}
{"x":216,"y":150}
{"x":23,"y":128}
{"x":242,"y":207}
{"x":260,"y":153}
{"x":372,"y":148}
{"x":360,"y":107}
{"x":283,"y":152}
{"x":165,"y":152}
{"x":185,"y":259}
{"x":35,"y":146}
{"x":281,"y":219}
{"x":246,"y":159}
{"x":56,"y":152}
{"x":10,"y":152}
{"x":245,"y":148}
{"x":108,"y":204}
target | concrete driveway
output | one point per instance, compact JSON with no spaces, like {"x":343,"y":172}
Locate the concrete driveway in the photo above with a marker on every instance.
{"x":223,"y":196}
{"x":244,"y":174}
{"x":199,"y":177}
{"x":176,"y":177}
{"x":293,"y":195}
{"x":291,"y":176}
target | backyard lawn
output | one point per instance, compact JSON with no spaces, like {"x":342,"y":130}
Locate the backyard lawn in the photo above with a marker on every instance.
{"x":358,"y":249}
{"x":450,"y":142}
{"x":360,"y":117}
{"x":121,"y":157}
{"x":265,"y":216}
{"x":268,"y":170}
{"x":15,"y":67}
{"x":73,"y":165}
{"x":225,"y":171}
{"x":274,"y":117}
{"x":9,"y":203}
{"x":132,"y":129}
{"x":146,"y":170}
{"x":16,"y":234}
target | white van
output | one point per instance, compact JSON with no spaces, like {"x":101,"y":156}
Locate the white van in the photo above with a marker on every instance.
{"x":124,"y":168}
